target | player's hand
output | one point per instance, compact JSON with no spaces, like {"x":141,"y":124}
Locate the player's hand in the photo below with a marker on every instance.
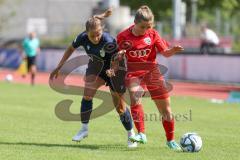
{"x":120,"y":54}
{"x":54,"y":73}
{"x":178,"y":48}
{"x":110,"y":72}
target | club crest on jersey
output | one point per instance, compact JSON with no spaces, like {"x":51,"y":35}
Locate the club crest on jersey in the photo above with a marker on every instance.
{"x":147,"y":40}
{"x":88,"y":47}
{"x":102,"y":53}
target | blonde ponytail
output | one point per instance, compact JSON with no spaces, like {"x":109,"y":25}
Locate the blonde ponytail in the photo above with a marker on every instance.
{"x":105,"y":14}
{"x":96,"y":20}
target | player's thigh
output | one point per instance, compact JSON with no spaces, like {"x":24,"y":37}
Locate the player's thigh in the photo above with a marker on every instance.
{"x":157,"y":85}
{"x":92,"y":83}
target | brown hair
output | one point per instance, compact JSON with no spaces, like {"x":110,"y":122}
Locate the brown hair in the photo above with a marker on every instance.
{"x":96,"y":20}
{"x":144,"y":13}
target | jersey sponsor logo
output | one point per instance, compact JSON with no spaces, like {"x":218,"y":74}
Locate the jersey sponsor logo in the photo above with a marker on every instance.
{"x":88,"y":47}
{"x":140,"y":53}
{"x":147,"y":40}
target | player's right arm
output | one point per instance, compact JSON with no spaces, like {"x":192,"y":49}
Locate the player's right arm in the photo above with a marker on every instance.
{"x":68,"y":52}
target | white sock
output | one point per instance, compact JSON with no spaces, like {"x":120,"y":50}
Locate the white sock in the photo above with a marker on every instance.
{"x":84,"y":126}
{"x":131,"y":132}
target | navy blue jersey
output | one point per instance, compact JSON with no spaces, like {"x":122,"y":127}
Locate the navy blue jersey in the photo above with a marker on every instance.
{"x":101,"y":56}
{"x":103,"y":50}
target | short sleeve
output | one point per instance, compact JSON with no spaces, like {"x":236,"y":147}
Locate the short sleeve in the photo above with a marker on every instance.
{"x":110,"y":47}
{"x":124,"y":41}
{"x":160,"y":43}
{"x":78,"y":41}
{"x":110,"y":43}
{"x":119,"y":40}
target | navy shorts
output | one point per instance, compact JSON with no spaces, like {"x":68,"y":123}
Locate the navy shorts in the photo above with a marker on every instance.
{"x":116,"y":83}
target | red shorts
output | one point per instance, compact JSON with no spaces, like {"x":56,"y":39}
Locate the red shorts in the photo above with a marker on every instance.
{"x":150,"y":79}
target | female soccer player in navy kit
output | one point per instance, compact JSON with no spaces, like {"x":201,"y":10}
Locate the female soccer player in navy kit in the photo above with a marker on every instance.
{"x":94,"y":41}
{"x":141,"y":43}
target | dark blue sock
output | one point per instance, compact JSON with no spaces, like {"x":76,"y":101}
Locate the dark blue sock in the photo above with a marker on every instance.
{"x":86,"y":110}
{"x":126,"y":120}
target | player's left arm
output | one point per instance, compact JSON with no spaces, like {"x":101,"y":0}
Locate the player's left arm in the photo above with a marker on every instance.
{"x":173,"y":50}
{"x":164,"y":47}
{"x":119,"y":56}
{"x":116,"y":56}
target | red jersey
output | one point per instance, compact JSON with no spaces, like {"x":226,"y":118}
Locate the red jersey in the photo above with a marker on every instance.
{"x":141,"y":52}
{"x":141,"y":48}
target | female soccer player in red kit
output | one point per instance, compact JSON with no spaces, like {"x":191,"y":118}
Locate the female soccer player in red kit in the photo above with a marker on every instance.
{"x":141,"y":43}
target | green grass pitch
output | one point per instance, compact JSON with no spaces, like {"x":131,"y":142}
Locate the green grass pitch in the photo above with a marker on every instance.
{"x":29,"y":129}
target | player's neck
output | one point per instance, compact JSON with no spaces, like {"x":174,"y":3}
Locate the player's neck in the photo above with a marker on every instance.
{"x":133,"y":30}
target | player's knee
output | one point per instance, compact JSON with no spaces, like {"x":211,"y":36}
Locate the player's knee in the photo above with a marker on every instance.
{"x":136,"y":97}
{"x":33,"y":68}
{"x":135,"y":101}
{"x":87,"y":98}
{"x":86,"y":102}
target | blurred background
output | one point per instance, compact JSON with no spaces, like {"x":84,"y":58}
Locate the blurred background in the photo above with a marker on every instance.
{"x":206,"y":86}
{"x":58,"y":22}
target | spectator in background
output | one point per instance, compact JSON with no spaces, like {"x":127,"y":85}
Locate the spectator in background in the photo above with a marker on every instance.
{"x":31,"y":47}
{"x":209,"y":39}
